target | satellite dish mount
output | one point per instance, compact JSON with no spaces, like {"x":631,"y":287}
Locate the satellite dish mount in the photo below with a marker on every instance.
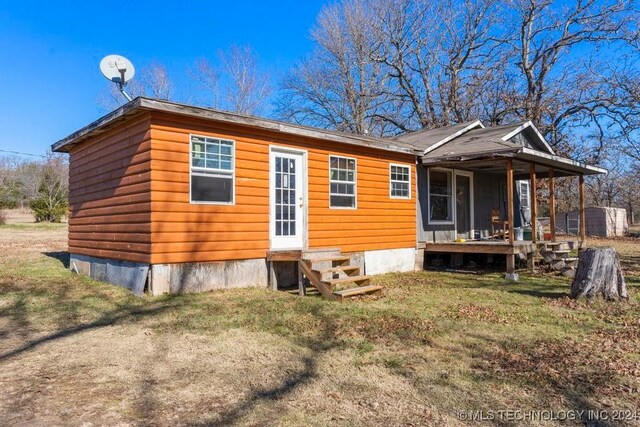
{"x":118,"y":70}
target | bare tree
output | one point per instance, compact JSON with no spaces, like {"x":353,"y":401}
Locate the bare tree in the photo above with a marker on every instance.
{"x":207,"y":78}
{"x":556,"y":48}
{"x":247,"y":87}
{"x":340,"y":85}
{"x":234,"y":82}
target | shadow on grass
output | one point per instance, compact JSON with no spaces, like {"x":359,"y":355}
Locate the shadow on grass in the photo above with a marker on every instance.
{"x":577,"y":381}
{"x":541,"y":291}
{"x":107,"y":319}
{"x":61,"y":256}
{"x":325,"y":342}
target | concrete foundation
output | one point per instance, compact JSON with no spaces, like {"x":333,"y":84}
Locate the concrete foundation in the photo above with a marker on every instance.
{"x":389,"y":261}
{"x":130,"y":275}
{"x":207,"y":276}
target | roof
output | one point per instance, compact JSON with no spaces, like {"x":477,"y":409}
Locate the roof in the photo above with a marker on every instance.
{"x":500,"y":141}
{"x":429,"y":138}
{"x":141,"y":104}
{"x":478,"y":141}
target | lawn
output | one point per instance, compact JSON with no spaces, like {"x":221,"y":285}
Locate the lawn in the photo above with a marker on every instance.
{"x":436,"y":347}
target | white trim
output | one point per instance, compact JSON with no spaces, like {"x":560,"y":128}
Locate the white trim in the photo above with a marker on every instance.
{"x":537,"y":153}
{"x":390,"y":181}
{"x":471,"y":202}
{"x":520,"y":183}
{"x":537,"y":132}
{"x":440,"y":222}
{"x":355,"y":183}
{"x":202,"y":171}
{"x":304,"y":229}
{"x":454,"y":136}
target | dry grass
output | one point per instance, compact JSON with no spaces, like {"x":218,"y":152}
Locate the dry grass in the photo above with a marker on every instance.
{"x":75,"y":351}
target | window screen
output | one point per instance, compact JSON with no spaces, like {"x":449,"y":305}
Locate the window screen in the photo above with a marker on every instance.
{"x":399,"y":182}
{"x":342,"y":182}
{"x":212,"y":170}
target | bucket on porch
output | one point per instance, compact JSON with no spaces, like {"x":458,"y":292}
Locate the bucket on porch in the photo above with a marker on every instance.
{"x":527,"y":233}
{"x":517,"y":233}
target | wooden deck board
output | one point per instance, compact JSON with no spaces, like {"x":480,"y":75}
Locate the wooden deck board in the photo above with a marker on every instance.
{"x":482,"y":247}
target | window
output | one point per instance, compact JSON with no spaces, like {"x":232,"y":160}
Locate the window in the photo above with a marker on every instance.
{"x":524,"y":193}
{"x":342,"y":182}
{"x":399,"y":182}
{"x":440,"y":196}
{"x":212,"y":170}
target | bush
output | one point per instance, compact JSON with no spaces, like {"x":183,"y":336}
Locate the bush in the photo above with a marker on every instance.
{"x":50,"y":203}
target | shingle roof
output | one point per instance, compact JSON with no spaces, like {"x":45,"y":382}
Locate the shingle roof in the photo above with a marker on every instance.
{"x":426,"y":138}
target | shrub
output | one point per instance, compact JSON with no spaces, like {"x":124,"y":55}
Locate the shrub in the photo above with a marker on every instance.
{"x":50,"y":203}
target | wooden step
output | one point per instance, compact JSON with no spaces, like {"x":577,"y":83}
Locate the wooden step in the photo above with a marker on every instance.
{"x":332,"y":259}
{"x":370,"y":289}
{"x":350,"y":279}
{"x":337,"y":269}
{"x":561,"y":253}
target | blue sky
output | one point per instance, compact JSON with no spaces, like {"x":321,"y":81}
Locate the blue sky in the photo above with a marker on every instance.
{"x":50,"y":51}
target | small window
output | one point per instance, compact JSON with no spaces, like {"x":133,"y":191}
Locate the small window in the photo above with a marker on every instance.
{"x":440,"y":196}
{"x":342,"y":182}
{"x":212,"y":170}
{"x":525,"y":195}
{"x":399,"y":182}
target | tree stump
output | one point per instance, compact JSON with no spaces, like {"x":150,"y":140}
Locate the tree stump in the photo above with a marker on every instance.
{"x":599,"y":274}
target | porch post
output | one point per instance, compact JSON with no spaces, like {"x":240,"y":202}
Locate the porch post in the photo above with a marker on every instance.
{"x":511,"y":259}
{"x":534,"y":203}
{"x":552,"y":206}
{"x":583,"y":217}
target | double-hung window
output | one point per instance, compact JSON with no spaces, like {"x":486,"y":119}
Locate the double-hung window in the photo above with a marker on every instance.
{"x":525,"y":190}
{"x":212,"y":170}
{"x":440,"y":196}
{"x":399,"y":182}
{"x":342,"y":182}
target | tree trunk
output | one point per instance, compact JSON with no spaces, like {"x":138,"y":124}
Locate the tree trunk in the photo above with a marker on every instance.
{"x":599,"y":274}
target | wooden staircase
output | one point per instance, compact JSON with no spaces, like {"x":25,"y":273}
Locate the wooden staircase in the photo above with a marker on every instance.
{"x":330,"y":272}
{"x":556,"y":255}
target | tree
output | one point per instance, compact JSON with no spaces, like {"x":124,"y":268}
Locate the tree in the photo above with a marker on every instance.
{"x":340,"y":85}
{"x":50,"y":203}
{"x":236,"y":75}
{"x":570,"y":67}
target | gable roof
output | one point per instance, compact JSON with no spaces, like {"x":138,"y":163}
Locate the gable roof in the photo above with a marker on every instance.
{"x":428,"y":139}
{"x":481,"y":139}
{"x":141,"y":104}
{"x":502,"y":142}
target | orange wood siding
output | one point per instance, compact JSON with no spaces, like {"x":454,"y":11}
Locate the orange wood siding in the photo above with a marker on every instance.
{"x":185,"y":232}
{"x":110,"y":194}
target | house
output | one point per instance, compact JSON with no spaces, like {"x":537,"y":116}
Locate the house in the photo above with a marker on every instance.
{"x":180,"y":198}
{"x":599,"y":221}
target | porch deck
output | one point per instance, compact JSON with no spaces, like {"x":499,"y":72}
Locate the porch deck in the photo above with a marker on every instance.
{"x":481,"y":247}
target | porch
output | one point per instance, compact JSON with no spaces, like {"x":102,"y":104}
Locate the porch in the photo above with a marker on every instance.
{"x":469,"y":228}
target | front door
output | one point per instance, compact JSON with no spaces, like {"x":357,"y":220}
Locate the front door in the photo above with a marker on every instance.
{"x":464,"y":223}
{"x":287,"y":197}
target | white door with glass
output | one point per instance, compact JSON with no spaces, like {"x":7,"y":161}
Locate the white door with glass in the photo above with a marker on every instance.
{"x":287,"y":197}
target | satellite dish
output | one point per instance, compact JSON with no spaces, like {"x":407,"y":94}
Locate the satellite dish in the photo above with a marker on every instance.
{"x":119,"y":70}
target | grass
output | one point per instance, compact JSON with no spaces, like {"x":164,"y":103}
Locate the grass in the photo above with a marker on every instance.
{"x":434,"y":345}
